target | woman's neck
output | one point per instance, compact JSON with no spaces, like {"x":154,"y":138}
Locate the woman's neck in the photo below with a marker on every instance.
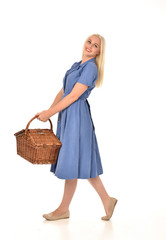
{"x":85,"y":58}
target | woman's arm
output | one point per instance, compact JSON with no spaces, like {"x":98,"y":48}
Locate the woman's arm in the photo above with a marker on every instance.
{"x":57,"y":98}
{"x":77,"y":91}
{"x":87,"y":79}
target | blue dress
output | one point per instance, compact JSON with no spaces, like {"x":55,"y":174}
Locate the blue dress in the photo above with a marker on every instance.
{"x":79,"y":155}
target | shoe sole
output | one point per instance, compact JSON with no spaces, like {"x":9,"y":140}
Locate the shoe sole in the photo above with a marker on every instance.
{"x":53,"y":219}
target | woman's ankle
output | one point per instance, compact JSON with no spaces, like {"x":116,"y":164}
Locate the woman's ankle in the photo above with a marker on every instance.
{"x":63,"y":209}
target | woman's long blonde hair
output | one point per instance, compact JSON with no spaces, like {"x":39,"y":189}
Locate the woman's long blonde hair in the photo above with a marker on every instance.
{"x":100,"y":59}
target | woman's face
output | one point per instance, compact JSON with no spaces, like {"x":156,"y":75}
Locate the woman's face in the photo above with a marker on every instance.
{"x":92,"y":47}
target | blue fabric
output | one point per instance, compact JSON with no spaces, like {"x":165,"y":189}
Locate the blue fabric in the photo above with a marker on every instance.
{"x":79,"y":155}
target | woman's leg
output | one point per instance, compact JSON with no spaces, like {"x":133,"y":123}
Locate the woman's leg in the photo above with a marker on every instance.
{"x":100,"y":189}
{"x":69,"y":189}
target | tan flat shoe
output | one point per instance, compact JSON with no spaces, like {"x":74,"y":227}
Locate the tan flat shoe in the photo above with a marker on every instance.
{"x":111,"y":206}
{"x":51,"y":217}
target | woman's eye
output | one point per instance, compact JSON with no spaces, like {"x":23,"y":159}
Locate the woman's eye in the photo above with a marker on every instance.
{"x":89,"y":41}
{"x":95,"y":45}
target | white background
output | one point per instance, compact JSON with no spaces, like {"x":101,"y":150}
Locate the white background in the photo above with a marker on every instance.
{"x":39,"y":42}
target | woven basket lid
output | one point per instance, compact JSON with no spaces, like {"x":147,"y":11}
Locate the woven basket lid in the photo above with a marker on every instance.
{"x":43,"y":136}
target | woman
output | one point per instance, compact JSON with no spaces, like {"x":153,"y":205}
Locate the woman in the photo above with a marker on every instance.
{"x":79,"y":155}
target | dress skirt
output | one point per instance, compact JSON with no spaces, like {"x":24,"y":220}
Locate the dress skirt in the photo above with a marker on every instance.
{"x":79,"y":155}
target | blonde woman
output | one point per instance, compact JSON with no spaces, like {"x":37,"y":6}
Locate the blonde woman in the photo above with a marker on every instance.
{"x":79,"y":156}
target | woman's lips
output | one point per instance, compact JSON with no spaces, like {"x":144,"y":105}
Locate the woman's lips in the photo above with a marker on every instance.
{"x":87,"y":50}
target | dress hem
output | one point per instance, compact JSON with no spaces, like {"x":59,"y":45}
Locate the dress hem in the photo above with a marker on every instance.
{"x":76,"y":177}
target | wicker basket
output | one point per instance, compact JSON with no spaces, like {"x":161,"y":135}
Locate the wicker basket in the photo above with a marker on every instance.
{"x":38,"y":146}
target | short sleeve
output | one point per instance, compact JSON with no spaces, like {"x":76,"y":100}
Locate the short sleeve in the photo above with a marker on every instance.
{"x":88,"y":75}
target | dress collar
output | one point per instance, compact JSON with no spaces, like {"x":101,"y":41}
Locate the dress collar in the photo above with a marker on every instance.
{"x":90,"y":60}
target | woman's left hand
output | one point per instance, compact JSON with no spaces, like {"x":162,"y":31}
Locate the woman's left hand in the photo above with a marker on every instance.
{"x":43,"y":116}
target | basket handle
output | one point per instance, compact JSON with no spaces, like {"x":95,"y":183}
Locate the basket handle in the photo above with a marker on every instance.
{"x":33,"y":119}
